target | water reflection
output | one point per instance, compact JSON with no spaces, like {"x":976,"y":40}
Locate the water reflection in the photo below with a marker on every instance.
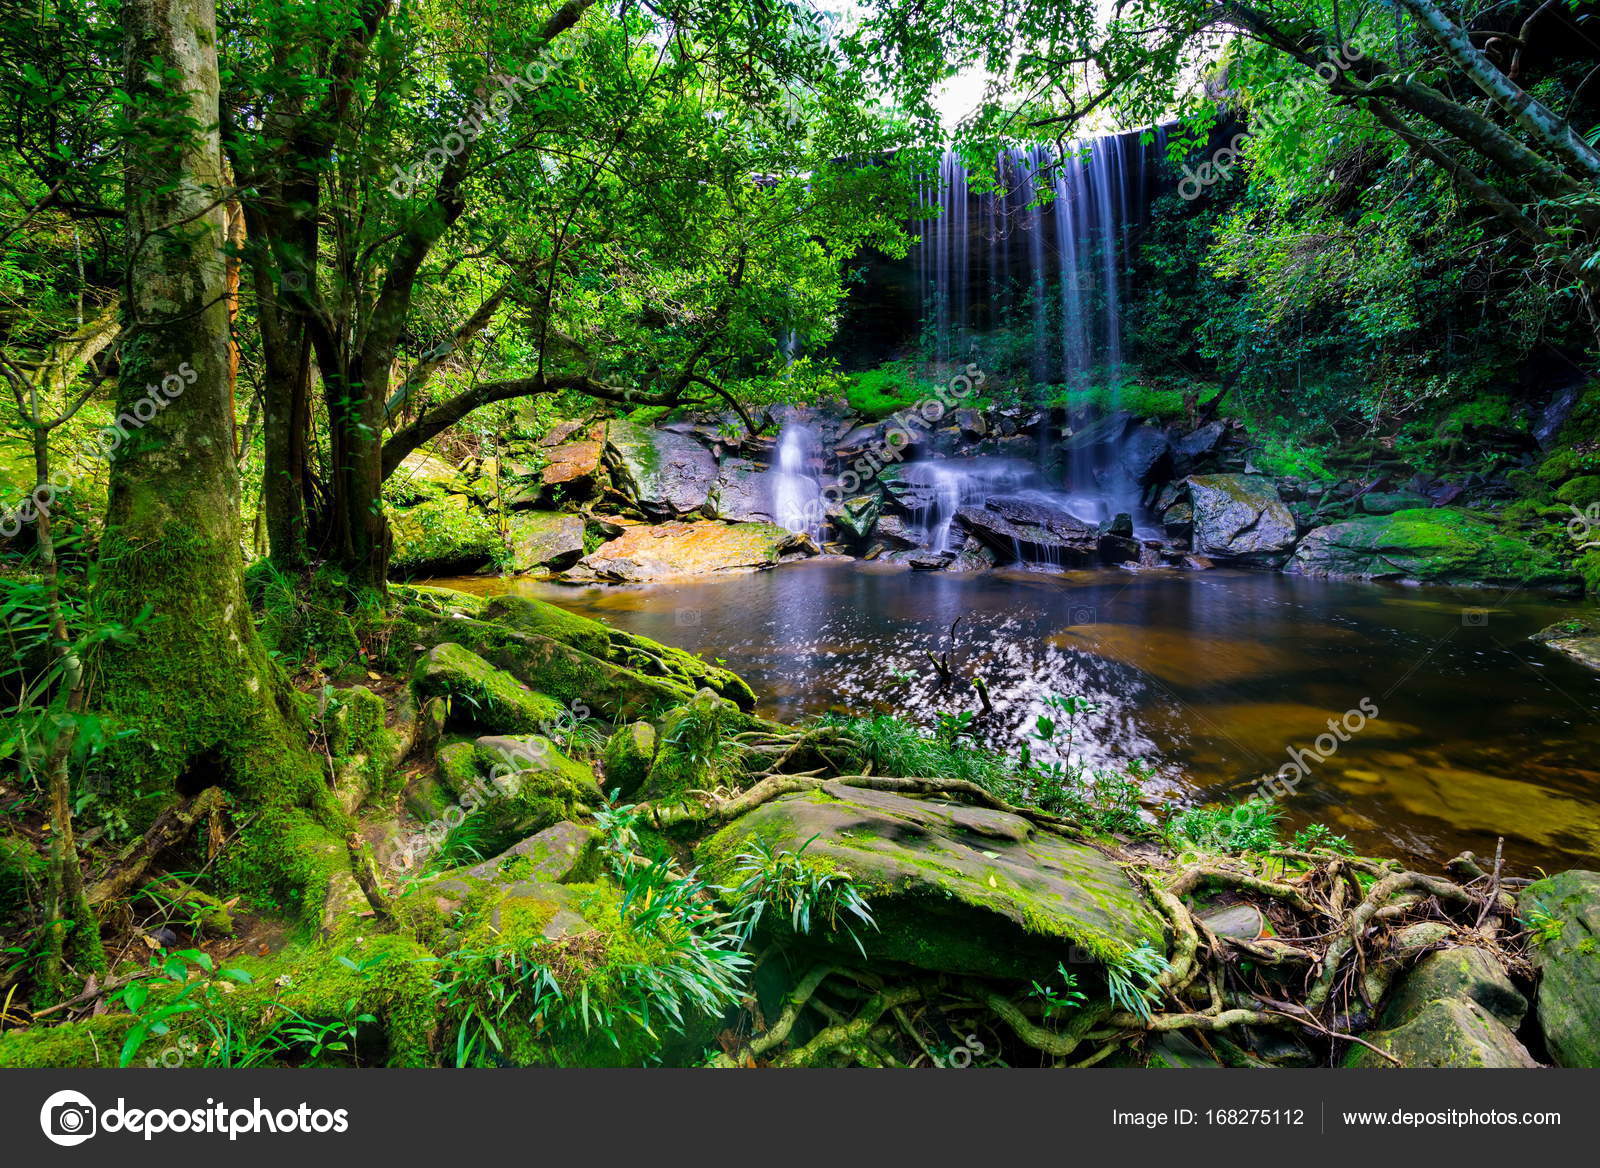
{"x":1211,"y":677}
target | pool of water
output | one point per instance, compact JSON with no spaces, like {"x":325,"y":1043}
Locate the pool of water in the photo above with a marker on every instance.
{"x":1213,"y":678}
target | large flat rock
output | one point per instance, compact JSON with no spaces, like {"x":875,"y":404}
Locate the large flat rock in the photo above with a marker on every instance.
{"x":1428,"y":546}
{"x":953,"y":888}
{"x":664,"y":550}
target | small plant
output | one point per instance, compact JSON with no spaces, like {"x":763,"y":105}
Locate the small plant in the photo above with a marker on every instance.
{"x":1059,"y":1000}
{"x":1131,"y":980}
{"x":794,"y":883}
{"x":951,"y":728}
{"x":1542,"y":927}
{"x":1250,"y":826}
{"x":1317,"y":837}
{"x":190,"y":994}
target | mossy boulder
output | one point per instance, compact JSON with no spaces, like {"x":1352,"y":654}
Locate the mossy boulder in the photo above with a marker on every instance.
{"x":627,"y":758}
{"x":1240,"y":517}
{"x":691,"y":747}
{"x":513,"y":786}
{"x":1461,"y":973}
{"x":441,"y":536}
{"x":743,"y":493}
{"x":641,"y":654}
{"x":579,"y":679}
{"x":665,"y":474}
{"x":420,"y":476}
{"x":361,"y":746}
{"x":954,"y":889}
{"x":1446,"y":1033}
{"x":544,"y":539}
{"x":1568,"y":961}
{"x":480,"y":694}
{"x":1582,"y":492}
{"x":1429,"y":546}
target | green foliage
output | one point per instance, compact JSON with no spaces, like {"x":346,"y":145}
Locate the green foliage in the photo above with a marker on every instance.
{"x":809,"y":890}
{"x":1064,"y":999}
{"x":1542,"y":927}
{"x":1131,"y":980}
{"x":1317,"y":837}
{"x":893,"y":746}
{"x":1250,"y":826}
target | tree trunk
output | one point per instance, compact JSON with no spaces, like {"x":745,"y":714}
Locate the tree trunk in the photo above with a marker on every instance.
{"x":193,"y":696}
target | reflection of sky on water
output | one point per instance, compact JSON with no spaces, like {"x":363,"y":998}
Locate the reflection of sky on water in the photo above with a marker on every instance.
{"x":1210,"y":677}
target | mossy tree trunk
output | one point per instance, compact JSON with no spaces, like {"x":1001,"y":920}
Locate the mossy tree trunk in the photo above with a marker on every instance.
{"x":192,"y":699}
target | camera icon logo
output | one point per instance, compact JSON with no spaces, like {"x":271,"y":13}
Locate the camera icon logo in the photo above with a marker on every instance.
{"x":688,"y":618}
{"x":68,"y":1118}
{"x":1474,"y":618}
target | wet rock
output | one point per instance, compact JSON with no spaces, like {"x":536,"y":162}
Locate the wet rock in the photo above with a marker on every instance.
{"x":544,"y":539}
{"x":1020,"y":529}
{"x":573,"y":461}
{"x":1449,"y":1032}
{"x":1145,"y":457}
{"x":973,"y":556}
{"x":666,"y":474}
{"x":1461,"y":973}
{"x":1568,"y":960}
{"x":661,"y":551}
{"x":954,"y":889}
{"x":1240,"y":517}
{"x":1577,"y":637}
{"x":1195,"y":446}
{"x":1435,"y":546}
{"x":896,"y":532}
{"x":930,"y":561}
{"x":743,"y":493}
{"x":856,"y":515}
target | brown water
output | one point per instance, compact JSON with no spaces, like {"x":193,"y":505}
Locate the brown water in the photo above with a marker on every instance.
{"x":1210,"y":677}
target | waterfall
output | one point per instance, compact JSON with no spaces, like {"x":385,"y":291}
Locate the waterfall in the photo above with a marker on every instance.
{"x":1046,"y":231}
{"x":796,"y":495}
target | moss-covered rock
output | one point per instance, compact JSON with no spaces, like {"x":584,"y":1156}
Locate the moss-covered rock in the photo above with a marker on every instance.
{"x":1446,"y":1033}
{"x":510,"y":787}
{"x":691,"y":747}
{"x":1434,"y":546}
{"x":1240,"y":517}
{"x":1568,"y":960}
{"x":361,"y":746}
{"x":665,"y":473}
{"x":443,"y":535}
{"x":545,"y":540}
{"x":480,"y":694}
{"x":628,"y":650}
{"x":627,"y":758}
{"x":1462,"y":973}
{"x":570,"y":675}
{"x":954,"y":889}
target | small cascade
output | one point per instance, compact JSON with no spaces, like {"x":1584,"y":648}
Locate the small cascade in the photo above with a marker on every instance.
{"x":941,"y":487}
{"x":796,"y":494}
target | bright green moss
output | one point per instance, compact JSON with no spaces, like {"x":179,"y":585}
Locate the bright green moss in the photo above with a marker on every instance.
{"x":23,"y":870}
{"x":481,"y":694}
{"x":92,"y":1042}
